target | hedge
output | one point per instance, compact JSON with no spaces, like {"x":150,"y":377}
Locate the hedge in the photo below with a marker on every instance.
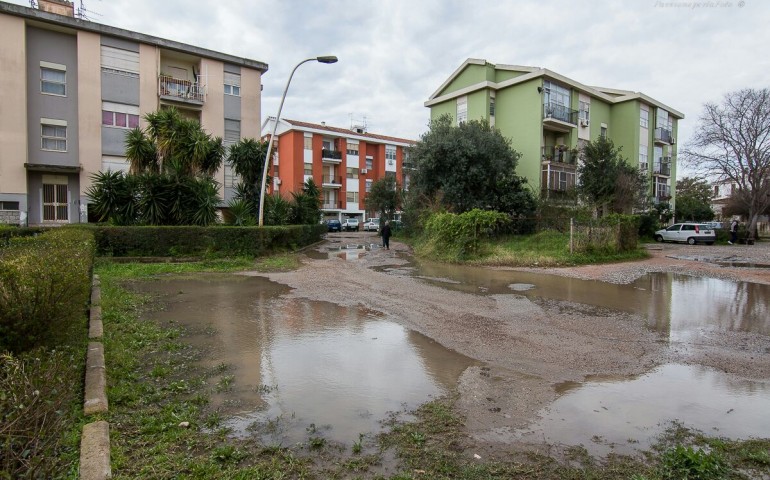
{"x":219,"y":241}
{"x":45,"y":284}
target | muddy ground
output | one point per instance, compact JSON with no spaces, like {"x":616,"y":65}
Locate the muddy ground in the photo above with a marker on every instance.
{"x":528,"y":347}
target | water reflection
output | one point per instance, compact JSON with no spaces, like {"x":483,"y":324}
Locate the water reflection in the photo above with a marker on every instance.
{"x":620,"y":416}
{"x":676,"y":305}
{"x":302,"y":367}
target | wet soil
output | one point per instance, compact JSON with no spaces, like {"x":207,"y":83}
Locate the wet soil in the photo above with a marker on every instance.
{"x":528,"y":348}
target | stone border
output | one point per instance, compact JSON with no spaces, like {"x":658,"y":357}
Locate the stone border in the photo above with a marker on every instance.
{"x":95,"y":440}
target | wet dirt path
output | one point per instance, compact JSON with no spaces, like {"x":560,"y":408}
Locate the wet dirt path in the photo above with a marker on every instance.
{"x":528,"y":347}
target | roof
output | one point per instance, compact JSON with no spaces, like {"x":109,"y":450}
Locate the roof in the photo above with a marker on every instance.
{"x":89,"y":26}
{"x":611,"y":96}
{"x":344,"y":132}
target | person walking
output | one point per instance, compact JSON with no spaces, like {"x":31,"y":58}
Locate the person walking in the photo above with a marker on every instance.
{"x":733,"y":232}
{"x":386,"y":235}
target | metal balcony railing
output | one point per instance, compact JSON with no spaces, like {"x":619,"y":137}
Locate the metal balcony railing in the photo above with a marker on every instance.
{"x":560,"y":112}
{"x":558,"y":155}
{"x":332,"y":179}
{"x":663,"y":135}
{"x":183,"y":90}
{"x":331,"y":154}
{"x":662,"y":166}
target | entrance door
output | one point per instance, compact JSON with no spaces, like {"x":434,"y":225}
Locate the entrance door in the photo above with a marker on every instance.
{"x":55,"y":205}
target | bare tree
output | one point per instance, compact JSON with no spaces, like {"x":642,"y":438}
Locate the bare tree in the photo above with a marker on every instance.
{"x":732,"y":143}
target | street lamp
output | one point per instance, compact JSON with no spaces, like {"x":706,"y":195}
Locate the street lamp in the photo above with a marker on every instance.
{"x":323,"y":59}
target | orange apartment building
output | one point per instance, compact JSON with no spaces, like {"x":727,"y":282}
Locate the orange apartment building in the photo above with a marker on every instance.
{"x":342,"y":162}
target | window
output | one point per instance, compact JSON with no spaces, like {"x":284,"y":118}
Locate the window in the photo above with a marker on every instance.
{"x":308,"y":142}
{"x":352,"y":172}
{"x":643,"y":165}
{"x":53,"y":135}
{"x":555,"y":94}
{"x":462,"y":110}
{"x":644,"y":118}
{"x":369,"y":185}
{"x":352,"y":149}
{"x":308,"y":169}
{"x":115,"y":164}
{"x":120,"y":62}
{"x":369,"y":163}
{"x":561,"y":180}
{"x":583,"y":112}
{"x":53,"y":79}
{"x":232,"y":132}
{"x":13,"y":206}
{"x":119,"y":115}
{"x":233,"y":84}
{"x":662,"y":120}
{"x":603,"y":132}
{"x":390,"y":154}
{"x":327,"y":145}
{"x":351,"y":197}
{"x":491,"y":106}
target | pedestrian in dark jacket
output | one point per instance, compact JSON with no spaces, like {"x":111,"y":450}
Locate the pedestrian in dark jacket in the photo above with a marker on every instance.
{"x":386,"y":235}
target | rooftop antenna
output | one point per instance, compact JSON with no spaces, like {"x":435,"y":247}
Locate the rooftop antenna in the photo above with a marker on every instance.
{"x":33,"y":3}
{"x":83,"y":13}
{"x":358,"y":126}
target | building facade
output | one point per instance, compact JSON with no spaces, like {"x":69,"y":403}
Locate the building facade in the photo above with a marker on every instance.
{"x":344,"y":163}
{"x":548,"y":117}
{"x":72,"y":89}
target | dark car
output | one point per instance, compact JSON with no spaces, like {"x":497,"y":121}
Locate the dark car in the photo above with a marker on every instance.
{"x":334,"y":225}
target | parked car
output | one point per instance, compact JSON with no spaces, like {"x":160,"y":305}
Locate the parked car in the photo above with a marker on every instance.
{"x":334,"y":226}
{"x":691,"y":233}
{"x":715,"y":225}
{"x":351,"y":224}
{"x":372,"y":225}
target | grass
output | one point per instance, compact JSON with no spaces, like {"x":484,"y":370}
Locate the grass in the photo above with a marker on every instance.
{"x":544,"y":249}
{"x":155,"y":385}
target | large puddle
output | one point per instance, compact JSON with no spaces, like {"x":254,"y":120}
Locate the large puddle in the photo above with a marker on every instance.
{"x":291,"y":370}
{"x":623,"y":414}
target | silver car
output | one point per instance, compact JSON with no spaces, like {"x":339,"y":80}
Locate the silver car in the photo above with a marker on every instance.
{"x":372,"y":225}
{"x":691,"y":233}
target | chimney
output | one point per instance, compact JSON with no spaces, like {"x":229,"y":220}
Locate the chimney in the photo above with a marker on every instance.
{"x":323,"y":123}
{"x":59,"y":7}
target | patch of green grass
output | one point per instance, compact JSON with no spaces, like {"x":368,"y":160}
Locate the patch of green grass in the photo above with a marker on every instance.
{"x":277,"y":263}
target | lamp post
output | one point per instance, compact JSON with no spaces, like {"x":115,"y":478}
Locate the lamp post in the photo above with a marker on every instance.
{"x":324,"y":59}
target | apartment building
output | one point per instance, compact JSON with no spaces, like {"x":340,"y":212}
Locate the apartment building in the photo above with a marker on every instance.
{"x":548,"y":117}
{"x":342,"y":162}
{"x":72,"y":89}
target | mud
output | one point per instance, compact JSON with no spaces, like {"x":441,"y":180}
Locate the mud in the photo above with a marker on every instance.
{"x":528,"y":348}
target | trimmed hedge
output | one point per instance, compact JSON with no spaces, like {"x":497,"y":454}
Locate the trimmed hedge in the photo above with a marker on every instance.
{"x":174,"y":241}
{"x":45,"y":284}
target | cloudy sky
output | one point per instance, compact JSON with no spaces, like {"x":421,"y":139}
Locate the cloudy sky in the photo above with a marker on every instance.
{"x":395,"y":53}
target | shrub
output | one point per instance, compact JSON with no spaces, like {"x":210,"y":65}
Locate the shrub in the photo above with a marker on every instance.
{"x":461,"y":235}
{"x":687,"y":462}
{"x":209,"y":241}
{"x":45,"y":283}
{"x":38,"y":394}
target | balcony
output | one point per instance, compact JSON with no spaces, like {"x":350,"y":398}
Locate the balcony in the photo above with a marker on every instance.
{"x":331,"y":156}
{"x":663,"y":135}
{"x":662,"y":167}
{"x":559,"y":117}
{"x":331,"y":181}
{"x":178,"y":90}
{"x":333,"y":205}
{"x":559,"y":155}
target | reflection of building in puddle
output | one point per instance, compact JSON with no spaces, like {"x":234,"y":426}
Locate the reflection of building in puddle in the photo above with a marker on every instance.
{"x":296,"y":362}
{"x":624,"y":415}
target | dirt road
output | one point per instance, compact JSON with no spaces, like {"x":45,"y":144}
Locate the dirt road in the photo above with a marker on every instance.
{"x":528,"y":347}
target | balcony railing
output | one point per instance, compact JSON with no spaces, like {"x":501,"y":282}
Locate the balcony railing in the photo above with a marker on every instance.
{"x":662,"y":166}
{"x":332,"y":179}
{"x":663,"y":135}
{"x":182,"y":90}
{"x":560,"y":112}
{"x":331,"y":154}
{"x":332,"y":206}
{"x":558,"y":155}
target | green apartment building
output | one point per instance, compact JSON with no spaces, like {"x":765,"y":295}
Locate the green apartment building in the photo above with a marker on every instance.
{"x":548,"y":117}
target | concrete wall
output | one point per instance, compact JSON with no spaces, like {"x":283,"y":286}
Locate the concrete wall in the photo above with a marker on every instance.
{"x":13,"y":109}
{"x":89,"y":114}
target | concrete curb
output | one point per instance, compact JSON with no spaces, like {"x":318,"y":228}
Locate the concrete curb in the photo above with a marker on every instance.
{"x":96,"y":380}
{"x":95,"y":440}
{"x":95,"y":451}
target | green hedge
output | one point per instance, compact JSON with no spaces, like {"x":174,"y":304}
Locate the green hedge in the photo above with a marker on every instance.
{"x":45,"y":284}
{"x":206,"y":241}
